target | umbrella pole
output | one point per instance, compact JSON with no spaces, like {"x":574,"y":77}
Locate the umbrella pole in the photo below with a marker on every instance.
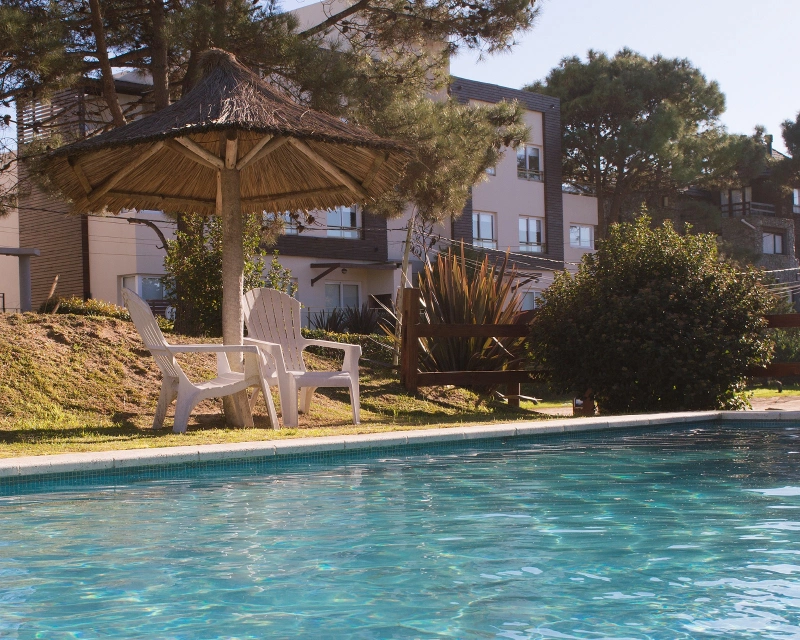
{"x":237,"y":409}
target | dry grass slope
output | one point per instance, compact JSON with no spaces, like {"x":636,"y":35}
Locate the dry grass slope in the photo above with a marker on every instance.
{"x":75,"y":383}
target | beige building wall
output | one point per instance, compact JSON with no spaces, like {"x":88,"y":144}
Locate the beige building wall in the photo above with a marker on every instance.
{"x":578,"y":210}
{"x":507,"y":196}
{"x":369,"y":281}
{"x":9,"y":267}
{"x":118,"y":249}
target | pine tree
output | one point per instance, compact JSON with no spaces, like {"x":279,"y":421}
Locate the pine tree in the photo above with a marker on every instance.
{"x":636,"y":126}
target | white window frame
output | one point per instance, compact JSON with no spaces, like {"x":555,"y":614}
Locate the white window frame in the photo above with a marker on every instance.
{"x":772,"y":243}
{"x":524,"y":169}
{"x":137,"y":283}
{"x":579,"y":245}
{"x":796,"y":200}
{"x":526,"y":245}
{"x":347,"y":232}
{"x":477,"y":239}
{"x":340,"y":283}
{"x":525,"y":297}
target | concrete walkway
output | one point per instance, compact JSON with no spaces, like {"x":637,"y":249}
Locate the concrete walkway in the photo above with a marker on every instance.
{"x":778,"y":402}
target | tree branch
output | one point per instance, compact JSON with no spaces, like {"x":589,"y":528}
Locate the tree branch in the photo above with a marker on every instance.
{"x":154,"y":227}
{"x":336,"y":17}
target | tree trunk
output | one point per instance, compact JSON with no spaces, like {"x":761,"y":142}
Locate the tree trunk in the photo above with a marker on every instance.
{"x":615,"y":208}
{"x":159,"y":67}
{"x":109,"y":90}
{"x":602,"y":218}
{"x":229,"y":203}
{"x":403,"y":284}
{"x":218,"y":27}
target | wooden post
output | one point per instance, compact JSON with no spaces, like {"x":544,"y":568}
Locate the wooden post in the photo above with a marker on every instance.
{"x":511,"y":391}
{"x":409,"y":339}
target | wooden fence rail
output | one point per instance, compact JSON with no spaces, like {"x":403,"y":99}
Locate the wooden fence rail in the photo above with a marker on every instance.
{"x":779,"y":369}
{"x":412,"y":378}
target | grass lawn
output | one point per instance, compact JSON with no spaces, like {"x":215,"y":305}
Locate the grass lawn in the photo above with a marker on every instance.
{"x":771,"y":391}
{"x":73,"y":383}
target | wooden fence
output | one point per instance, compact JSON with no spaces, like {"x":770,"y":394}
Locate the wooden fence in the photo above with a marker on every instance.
{"x":779,"y":369}
{"x":412,"y":378}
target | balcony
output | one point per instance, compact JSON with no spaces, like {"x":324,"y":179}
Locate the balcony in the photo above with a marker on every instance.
{"x":738,"y":209}
{"x":529,"y":174}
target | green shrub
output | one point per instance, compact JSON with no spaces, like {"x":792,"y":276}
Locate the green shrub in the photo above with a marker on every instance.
{"x":98,"y":308}
{"x":374,"y":347}
{"x":653,"y":321}
{"x":194,"y":271}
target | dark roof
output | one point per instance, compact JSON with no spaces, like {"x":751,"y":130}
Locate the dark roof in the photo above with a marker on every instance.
{"x":777,"y":155}
{"x":464,"y":90}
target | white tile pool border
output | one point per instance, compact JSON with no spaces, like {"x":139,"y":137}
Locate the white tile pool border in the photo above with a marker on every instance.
{"x":128,"y":458}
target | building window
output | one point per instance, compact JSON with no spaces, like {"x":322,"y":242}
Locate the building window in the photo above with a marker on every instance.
{"x":147,"y":287}
{"x":530,"y":235}
{"x":341,"y":294}
{"x":736,"y":202}
{"x":344,"y":222}
{"x":530,"y":300}
{"x":581,"y":236}
{"x":772,"y":242}
{"x":796,"y":200}
{"x":483,"y":230}
{"x":529,"y":162}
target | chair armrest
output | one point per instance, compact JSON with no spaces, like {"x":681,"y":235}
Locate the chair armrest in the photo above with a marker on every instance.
{"x":272,"y":349}
{"x":211,"y":348}
{"x":352,"y":352}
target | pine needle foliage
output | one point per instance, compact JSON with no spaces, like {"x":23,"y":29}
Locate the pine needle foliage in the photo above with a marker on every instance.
{"x":653,"y":321}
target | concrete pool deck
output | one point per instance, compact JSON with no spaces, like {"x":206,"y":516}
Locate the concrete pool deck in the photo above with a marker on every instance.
{"x":131,"y":458}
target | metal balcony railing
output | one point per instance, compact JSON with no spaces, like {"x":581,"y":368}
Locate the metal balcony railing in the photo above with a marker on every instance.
{"x":738,"y":209}
{"x":531,"y":247}
{"x":529,"y":174}
{"x":349,"y":233}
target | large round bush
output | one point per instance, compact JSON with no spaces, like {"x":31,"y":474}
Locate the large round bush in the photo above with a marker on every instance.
{"x":653,"y":321}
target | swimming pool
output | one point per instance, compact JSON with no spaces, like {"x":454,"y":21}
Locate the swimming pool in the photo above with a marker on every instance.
{"x":678,"y":533}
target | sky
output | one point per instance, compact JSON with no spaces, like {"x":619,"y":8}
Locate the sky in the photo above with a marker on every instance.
{"x":751,"y":47}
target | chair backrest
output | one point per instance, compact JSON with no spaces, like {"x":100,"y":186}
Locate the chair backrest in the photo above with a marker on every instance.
{"x":274,"y":316}
{"x":146,"y":325}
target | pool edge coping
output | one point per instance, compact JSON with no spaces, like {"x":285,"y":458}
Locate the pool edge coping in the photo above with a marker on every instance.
{"x":20,"y":467}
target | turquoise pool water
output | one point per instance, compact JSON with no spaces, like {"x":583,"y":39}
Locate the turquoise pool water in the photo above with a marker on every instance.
{"x":678,"y":534}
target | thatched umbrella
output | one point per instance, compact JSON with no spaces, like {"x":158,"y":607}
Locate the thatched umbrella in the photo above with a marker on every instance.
{"x":232,"y":145}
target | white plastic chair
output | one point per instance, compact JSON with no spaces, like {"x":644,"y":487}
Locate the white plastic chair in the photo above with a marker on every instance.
{"x":177,"y":385}
{"x":273,"y":325}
